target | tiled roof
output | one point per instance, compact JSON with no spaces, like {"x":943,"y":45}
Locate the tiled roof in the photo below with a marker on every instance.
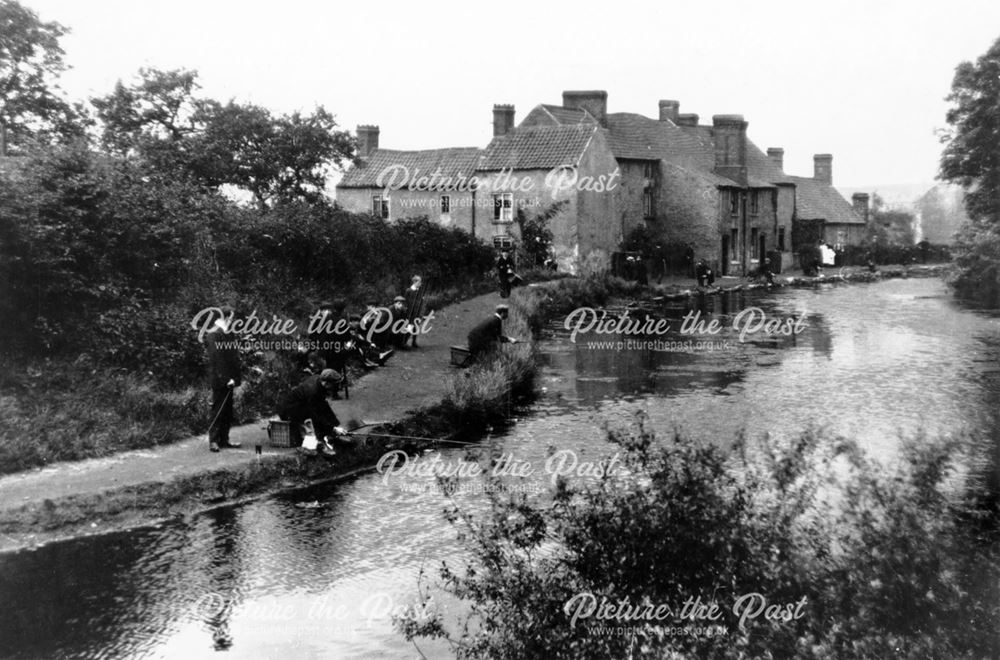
{"x":815,"y":200}
{"x":450,"y":163}
{"x":638,"y":137}
{"x":568,"y":116}
{"x":555,"y":115}
{"x":538,"y":147}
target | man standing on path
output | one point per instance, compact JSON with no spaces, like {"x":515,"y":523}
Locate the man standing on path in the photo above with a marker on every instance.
{"x":505,"y":272}
{"x":484,"y":337}
{"x":225,"y":375}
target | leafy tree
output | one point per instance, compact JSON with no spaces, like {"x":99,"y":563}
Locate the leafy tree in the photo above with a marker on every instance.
{"x":31,"y":60}
{"x":972,"y":145}
{"x":159,"y":107}
{"x":276,"y":159}
{"x":971,"y":158}
{"x":888,"y":226}
{"x":536,"y":237}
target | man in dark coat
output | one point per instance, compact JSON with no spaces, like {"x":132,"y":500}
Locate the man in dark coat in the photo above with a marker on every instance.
{"x":414,"y":298}
{"x":330,"y":335}
{"x":225,"y":375}
{"x":704,"y":274}
{"x":505,"y":272}
{"x":308,"y":400}
{"x":484,"y":337}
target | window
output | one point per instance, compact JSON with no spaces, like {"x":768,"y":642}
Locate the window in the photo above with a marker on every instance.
{"x":647,"y":203}
{"x":755,"y":202}
{"x":734,"y":245}
{"x":734,"y":202}
{"x":445,"y":204}
{"x":781,"y":239}
{"x":754,"y":243}
{"x":649,"y":171}
{"x":380,"y":207}
{"x":503,"y":207}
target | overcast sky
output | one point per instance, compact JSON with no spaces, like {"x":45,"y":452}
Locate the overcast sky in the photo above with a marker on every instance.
{"x":864,"y":81}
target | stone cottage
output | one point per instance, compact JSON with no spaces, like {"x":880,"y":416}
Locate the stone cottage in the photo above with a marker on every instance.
{"x":703,"y":188}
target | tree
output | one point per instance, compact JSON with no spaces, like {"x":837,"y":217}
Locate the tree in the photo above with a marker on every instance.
{"x":275,"y":158}
{"x":161,"y":120}
{"x":971,"y":158}
{"x":888,"y":226}
{"x":971,"y":155}
{"x":151,"y":116}
{"x":31,"y":105}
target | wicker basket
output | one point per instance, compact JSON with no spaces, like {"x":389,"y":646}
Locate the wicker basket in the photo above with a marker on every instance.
{"x":279,"y":433}
{"x":460,"y":356}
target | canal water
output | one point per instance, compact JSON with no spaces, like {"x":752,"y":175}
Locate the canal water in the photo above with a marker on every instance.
{"x":321,"y":572}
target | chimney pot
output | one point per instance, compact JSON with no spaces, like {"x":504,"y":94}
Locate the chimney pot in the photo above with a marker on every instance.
{"x":823,"y":168}
{"x":730,"y":135}
{"x":669,"y":110}
{"x":594,"y":101}
{"x":503,"y":119}
{"x":860,"y":201}
{"x":777,"y":156}
{"x":367,"y":140}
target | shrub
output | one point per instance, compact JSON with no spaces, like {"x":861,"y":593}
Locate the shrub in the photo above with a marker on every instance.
{"x":865,"y":563}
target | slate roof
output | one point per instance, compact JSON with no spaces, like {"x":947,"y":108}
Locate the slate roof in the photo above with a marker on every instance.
{"x":538,"y":147}
{"x":452,"y":162}
{"x":815,"y":200}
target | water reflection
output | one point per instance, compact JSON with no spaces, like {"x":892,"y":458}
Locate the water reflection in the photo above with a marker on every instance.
{"x":318,"y":574}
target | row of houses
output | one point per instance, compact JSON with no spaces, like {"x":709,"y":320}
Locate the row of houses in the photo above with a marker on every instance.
{"x":600,"y":175}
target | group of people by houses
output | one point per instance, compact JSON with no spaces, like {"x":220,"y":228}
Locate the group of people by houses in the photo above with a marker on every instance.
{"x":338,"y":339}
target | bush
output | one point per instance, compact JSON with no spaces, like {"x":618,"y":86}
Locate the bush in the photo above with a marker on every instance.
{"x":865,"y":563}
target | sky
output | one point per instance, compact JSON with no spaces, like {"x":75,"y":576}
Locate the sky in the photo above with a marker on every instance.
{"x":865,"y":81}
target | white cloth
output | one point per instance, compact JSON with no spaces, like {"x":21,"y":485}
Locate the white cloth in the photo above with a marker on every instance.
{"x":828,"y":255}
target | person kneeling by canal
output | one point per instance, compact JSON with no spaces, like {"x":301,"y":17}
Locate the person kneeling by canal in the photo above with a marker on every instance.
{"x":308,"y":400}
{"x":485,"y":337}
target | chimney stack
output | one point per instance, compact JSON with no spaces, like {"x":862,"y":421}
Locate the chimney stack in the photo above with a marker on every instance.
{"x":860,"y":201}
{"x":503,"y":119}
{"x":593,"y":101}
{"x":730,"y":134}
{"x":823,"y":168}
{"x":777,"y":156}
{"x":669,"y":110}
{"x":687,"y":119}
{"x":367,"y":140}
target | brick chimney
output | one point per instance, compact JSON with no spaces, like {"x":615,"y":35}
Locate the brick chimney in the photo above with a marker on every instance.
{"x":669,"y":110}
{"x":367,"y":140}
{"x":687,"y":119}
{"x":860,"y":201}
{"x":777,"y":156}
{"x":823,"y":168}
{"x":503,"y":119}
{"x":730,"y":134}
{"x":593,"y":101}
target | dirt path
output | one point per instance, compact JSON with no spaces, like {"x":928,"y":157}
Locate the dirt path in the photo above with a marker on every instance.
{"x":411,"y":379}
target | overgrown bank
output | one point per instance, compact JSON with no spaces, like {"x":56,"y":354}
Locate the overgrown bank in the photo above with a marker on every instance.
{"x":802,"y":549}
{"x":476,"y":399}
